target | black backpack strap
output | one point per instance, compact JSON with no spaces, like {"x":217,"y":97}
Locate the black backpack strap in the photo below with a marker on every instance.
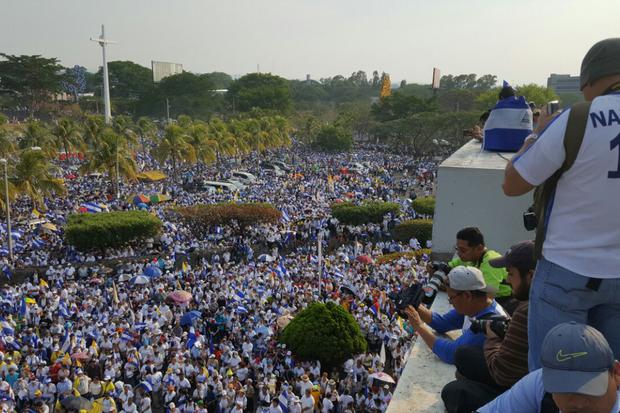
{"x":573,"y":137}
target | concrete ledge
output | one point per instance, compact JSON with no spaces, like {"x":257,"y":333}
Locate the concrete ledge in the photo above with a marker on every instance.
{"x":419,"y":387}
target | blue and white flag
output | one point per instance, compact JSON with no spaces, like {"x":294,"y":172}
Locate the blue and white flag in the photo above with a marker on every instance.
{"x":283,"y":401}
{"x":239,"y":296}
{"x":338,"y":273}
{"x":16,"y":234}
{"x":126,"y":337}
{"x":38,"y":243}
{"x":285,"y":216}
{"x":241,"y":309}
{"x":509,"y":123}
{"x":63,"y":311}
{"x":6,"y":270}
{"x":66,"y":342}
{"x":139,"y":326}
{"x":92,"y":207}
{"x":191,"y":338}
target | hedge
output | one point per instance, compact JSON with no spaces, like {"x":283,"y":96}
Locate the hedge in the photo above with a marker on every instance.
{"x":422,"y":229}
{"x":394,"y":256}
{"x":110,"y":229}
{"x":325,"y":332}
{"x":202,"y":217}
{"x":425,"y":205}
{"x":369,"y":211}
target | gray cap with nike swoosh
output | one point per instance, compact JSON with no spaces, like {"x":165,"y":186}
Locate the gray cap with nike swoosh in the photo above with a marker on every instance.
{"x":576,"y":358}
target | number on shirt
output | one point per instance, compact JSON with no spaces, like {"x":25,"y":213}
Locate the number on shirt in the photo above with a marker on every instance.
{"x":615,"y":143}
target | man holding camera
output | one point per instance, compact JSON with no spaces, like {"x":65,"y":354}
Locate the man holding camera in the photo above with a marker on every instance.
{"x":489,"y":372}
{"x":469,"y":295}
{"x":576,"y":164}
{"x":472,"y":251}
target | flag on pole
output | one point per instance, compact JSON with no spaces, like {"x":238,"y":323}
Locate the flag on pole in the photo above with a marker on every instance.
{"x":115,"y":299}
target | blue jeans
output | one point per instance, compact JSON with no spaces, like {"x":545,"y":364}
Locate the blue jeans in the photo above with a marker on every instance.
{"x":558,"y":295}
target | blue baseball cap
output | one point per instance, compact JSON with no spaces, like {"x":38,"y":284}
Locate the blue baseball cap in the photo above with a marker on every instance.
{"x":576,"y":358}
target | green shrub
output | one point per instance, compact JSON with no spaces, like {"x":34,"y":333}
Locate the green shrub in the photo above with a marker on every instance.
{"x":424,"y":206}
{"x":369,"y":211}
{"x":202,"y":217}
{"x":422,"y":229}
{"x":333,"y":139}
{"x":110,"y":229}
{"x":325,"y":332}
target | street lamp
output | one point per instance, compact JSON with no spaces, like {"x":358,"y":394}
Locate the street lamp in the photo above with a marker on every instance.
{"x":4,"y":162}
{"x":8,"y":208}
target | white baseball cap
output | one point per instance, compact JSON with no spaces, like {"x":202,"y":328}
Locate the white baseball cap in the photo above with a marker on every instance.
{"x":463,"y":278}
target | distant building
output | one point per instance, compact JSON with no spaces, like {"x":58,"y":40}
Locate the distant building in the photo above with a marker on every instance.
{"x":165,"y":69}
{"x":563,"y":83}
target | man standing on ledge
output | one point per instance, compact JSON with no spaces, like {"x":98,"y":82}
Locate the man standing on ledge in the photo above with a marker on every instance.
{"x":578,"y":273}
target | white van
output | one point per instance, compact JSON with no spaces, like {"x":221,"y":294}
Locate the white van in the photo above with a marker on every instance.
{"x":243,"y":177}
{"x":224,"y":186}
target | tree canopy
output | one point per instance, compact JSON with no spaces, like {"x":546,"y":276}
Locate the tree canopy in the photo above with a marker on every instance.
{"x":260,"y":90}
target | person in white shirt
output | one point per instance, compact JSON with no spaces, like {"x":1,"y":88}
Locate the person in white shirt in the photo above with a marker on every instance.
{"x":578,"y":273}
{"x":307,"y":402}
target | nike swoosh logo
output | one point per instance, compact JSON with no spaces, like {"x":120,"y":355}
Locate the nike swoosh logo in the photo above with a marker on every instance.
{"x":565,"y":357}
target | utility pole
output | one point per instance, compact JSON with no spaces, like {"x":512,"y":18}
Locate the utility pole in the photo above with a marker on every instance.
{"x":167,"y":111}
{"x":106,"y":86}
{"x":320,"y":260}
{"x":9,"y":241}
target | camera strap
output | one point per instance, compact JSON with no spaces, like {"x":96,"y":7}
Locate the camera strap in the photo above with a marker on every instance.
{"x":544,"y":193}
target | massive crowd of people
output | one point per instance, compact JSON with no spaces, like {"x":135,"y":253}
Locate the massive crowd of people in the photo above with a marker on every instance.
{"x":141,"y":328}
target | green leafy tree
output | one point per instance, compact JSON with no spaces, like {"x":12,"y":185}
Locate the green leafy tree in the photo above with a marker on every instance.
{"x":219,"y":80}
{"x":532,"y":92}
{"x":67,"y":135}
{"x":36,"y":134}
{"x":32,"y":78}
{"x":127,"y":79}
{"x":332,"y":138}
{"x":198,"y":136}
{"x":260,"y":90}
{"x":145,"y":129}
{"x":399,"y":105}
{"x":325,"y":332}
{"x":35,"y":177}
{"x":109,"y":152}
{"x":175,"y":146}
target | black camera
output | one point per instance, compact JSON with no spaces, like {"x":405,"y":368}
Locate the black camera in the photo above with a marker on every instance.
{"x":439,"y":277}
{"x":498,"y":324}
{"x":408,"y":296}
{"x":530,"y":220}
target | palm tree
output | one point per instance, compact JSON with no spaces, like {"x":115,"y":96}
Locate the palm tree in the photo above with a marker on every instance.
{"x":124,"y":128}
{"x":7,"y":141}
{"x":174,"y":145}
{"x":198,"y":136}
{"x":93,"y":128}
{"x":109,"y":154}
{"x":146,"y":129}
{"x":35,"y":177}
{"x":36,"y":134}
{"x":68,"y":135}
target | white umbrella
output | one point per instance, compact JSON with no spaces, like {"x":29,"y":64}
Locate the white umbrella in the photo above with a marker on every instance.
{"x":124,"y":277}
{"x":380,"y":376}
{"x":139,"y":280}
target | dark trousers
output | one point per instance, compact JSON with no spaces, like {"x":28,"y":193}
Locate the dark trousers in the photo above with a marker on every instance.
{"x":466,"y":396}
{"x":476,"y":386}
{"x":471,"y":364}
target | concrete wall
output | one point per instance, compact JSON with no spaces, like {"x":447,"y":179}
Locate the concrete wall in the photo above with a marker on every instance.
{"x":419,"y":387}
{"x":469,"y":193}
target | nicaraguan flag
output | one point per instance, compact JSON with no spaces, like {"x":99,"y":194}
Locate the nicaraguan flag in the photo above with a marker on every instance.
{"x":241,"y":309}
{"x":126,"y":337}
{"x":191,"y":338}
{"x":283,"y":268}
{"x":38,"y":243}
{"x":218,"y":230}
{"x":63,"y":311}
{"x":7,"y":329}
{"x":139,"y":326}
{"x":66,"y":342}
{"x":91,"y":207}
{"x":239,"y":296}
{"x":285,"y":217}
{"x":338,"y":273}
{"x":6,"y":270}
{"x":283,"y":401}
{"x":509,"y":123}
{"x":16,"y":234}
{"x":23,"y":308}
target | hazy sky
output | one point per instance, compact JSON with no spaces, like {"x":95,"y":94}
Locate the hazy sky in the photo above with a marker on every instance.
{"x":521,"y":41}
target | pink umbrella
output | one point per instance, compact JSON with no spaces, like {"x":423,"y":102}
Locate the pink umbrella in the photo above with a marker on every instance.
{"x":80,"y":356}
{"x":180,"y":297}
{"x":365,"y":259}
{"x":95,"y":280}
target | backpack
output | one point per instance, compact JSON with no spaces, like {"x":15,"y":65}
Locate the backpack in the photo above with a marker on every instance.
{"x":544,"y":193}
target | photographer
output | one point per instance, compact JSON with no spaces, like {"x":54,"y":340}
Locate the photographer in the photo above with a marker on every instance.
{"x":471,"y":251}
{"x":486,"y":374}
{"x":468,"y":294}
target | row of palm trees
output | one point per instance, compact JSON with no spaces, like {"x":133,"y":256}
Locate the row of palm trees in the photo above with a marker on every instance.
{"x":111,"y":149}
